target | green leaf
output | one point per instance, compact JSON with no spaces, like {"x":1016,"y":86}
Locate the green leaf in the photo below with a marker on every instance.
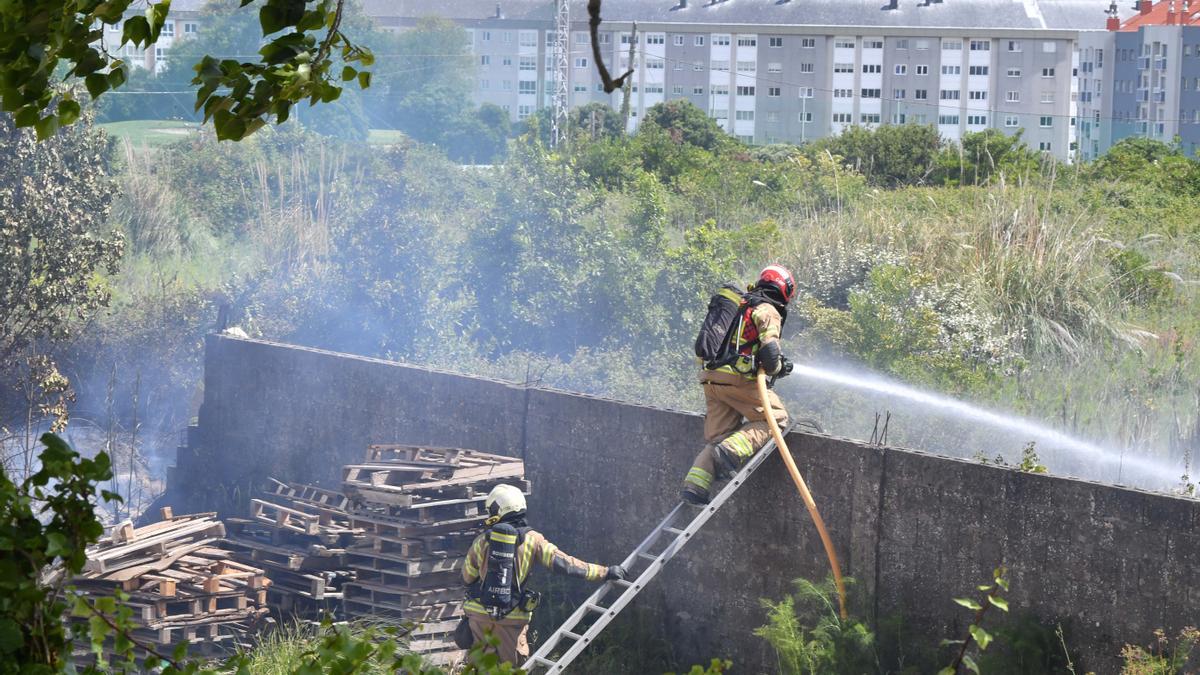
{"x":271,"y":19}
{"x":96,"y":83}
{"x":68,"y":112}
{"x":137,"y":31}
{"x":984,"y":587}
{"x":1002,"y":583}
{"x":11,"y":638}
{"x":969,"y":603}
{"x":364,"y":79}
{"x":947,"y":671}
{"x":116,"y":77}
{"x":999,"y":602}
{"x":348,"y":73}
{"x":46,"y":127}
{"x":981,"y":636}
{"x":970,"y":664}
{"x":27,"y":116}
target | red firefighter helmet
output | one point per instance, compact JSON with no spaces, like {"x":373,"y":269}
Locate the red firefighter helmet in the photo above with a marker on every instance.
{"x":777,"y":277}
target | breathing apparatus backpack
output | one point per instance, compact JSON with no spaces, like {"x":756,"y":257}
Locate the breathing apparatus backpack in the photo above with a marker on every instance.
{"x":714,"y":343}
{"x":499,"y":590}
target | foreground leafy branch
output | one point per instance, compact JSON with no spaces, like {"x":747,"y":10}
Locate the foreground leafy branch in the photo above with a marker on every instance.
{"x":976,"y":632}
{"x":41,"y":40}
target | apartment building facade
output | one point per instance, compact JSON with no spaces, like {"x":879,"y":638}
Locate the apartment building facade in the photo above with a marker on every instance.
{"x":1141,"y":77}
{"x":185,"y":21}
{"x":771,"y":71}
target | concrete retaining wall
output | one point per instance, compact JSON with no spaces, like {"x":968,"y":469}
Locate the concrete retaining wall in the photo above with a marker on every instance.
{"x":914,"y":529}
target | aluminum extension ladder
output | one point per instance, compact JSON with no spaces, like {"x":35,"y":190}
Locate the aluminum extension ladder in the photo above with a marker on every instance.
{"x":599,"y":614}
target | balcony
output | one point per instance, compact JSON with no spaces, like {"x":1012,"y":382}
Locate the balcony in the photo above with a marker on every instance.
{"x":1144,"y":63}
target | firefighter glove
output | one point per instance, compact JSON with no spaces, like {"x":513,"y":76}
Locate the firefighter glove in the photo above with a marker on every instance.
{"x":615,"y":573}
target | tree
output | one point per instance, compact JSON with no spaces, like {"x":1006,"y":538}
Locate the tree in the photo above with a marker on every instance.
{"x":41,"y":39}
{"x":54,"y":201}
{"x":1151,"y":162}
{"x":685,"y":122}
{"x":889,"y":156}
{"x":984,"y":154}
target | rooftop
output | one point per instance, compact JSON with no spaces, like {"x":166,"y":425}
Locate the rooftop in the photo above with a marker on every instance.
{"x":1164,"y":13}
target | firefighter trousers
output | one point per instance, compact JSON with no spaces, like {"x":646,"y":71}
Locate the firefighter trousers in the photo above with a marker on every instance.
{"x":726,"y":436}
{"x":513,"y":635}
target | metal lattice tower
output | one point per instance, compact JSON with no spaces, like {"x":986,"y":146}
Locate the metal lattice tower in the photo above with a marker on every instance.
{"x":562,"y":31}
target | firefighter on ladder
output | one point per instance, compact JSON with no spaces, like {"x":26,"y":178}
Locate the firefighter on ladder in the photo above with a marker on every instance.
{"x":730,"y":393}
{"x":497,"y":566}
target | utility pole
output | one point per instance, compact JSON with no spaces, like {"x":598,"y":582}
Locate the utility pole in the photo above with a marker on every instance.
{"x":562,"y":31}
{"x":629,"y":80}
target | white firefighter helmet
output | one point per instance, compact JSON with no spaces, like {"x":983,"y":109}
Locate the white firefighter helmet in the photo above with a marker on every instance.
{"x":503,"y":500}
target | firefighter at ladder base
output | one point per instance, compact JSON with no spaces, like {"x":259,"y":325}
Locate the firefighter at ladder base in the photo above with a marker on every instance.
{"x":740,"y":334}
{"x":498,"y":565}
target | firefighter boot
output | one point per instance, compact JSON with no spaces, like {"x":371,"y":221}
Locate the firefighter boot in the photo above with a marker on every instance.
{"x":694,"y":495}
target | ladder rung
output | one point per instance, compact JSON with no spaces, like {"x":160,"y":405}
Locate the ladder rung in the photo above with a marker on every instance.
{"x":621,"y":582}
{"x":673,"y":531}
{"x":573,"y":636}
{"x":595,"y":608}
{"x":647,"y":556}
{"x":544,"y":662}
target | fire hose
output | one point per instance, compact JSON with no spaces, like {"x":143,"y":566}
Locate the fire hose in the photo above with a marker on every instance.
{"x":803,"y":489}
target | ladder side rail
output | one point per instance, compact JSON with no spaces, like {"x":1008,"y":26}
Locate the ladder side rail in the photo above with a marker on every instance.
{"x":653,"y":568}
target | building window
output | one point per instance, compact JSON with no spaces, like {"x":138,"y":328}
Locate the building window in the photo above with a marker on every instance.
{"x":677,"y":90}
{"x":843,"y":67}
{"x":721,"y":40}
{"x":677,"y":40}
{"x":527,"y":63}
{"x":698,"y":41}
{"x":1012,"y":96}
{"x":949,"y":94}
{"x":977,"y":70}
{"x":1012,"y":121}
{"x":977,"y":120}
{"x":656,"y":38}
{"x":1044,"y":146}
{"x":843,"y":93}
{"x":774,"y":67}
{"x":808,"y":43}
{"x":872,"y":68}
{"x":747,"y":41}
{"x":581,"y":39}
{"x":524,"y":111}
{"x":484,"y":84}
{"x":720,"y":113}
{"x":526,"y":87}
{"x":485,"y":60}
{"x":1048,"y":72}
{"x":775,"y":42}
{"x":842,"y":118}
{"x":806,"y":68}
{"x":189,"y":28}
{"x":744,"y":115}
{"x":902,"y":44}
{"x":952,"y":45}
{"x":697,"y":91}
{"x":922,"y":69}
{"x":804,"y":117}
{"x":745,"y":91}
{"x":1051,"y":47}
{"x":898,"y":94}
{"x":1014,"y":45}
{"x":527,"y":38}
{"x":720,"y":90}
{"x":580,"y":87}
{"x":952,"y":70}
{"x":978,"y":95}
{"x":898,"y":118}
{"x":901,"y":69}
{"x":806,"y":92}
{"x":722,"y":66}
{"x":506,"y":85}
{"x":1047,"y":97}
{"x":606,"y":38}
{"x":654,"y":63}
{"x":773,"y":116}
{"x":1014,"y":72}
{"x":921,"y":94}
{"x":747,"y":66}
{"x":872,"y":43}
{"x":653,"y":89}
{"x":625,"y":37}
{"x":697,"y":65}
{"x":869,"y":118}
{"x":870,"y":93}
{"x":1045,"y":121}
{"x":168,"y":29}
{"x":981,"y":45}
{"x":947,"y":119}
{"x":773,"y":92}
{"x":843,"y":43}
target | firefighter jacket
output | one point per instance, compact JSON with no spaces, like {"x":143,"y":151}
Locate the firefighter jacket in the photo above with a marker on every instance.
{"x":761,"y":328}
{"x":533,"y":548}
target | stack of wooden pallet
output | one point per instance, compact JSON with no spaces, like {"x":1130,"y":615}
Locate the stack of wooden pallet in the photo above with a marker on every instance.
{"x":298,"y":534}
{"x":181,"y":586}
{"x":420,"y":509}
